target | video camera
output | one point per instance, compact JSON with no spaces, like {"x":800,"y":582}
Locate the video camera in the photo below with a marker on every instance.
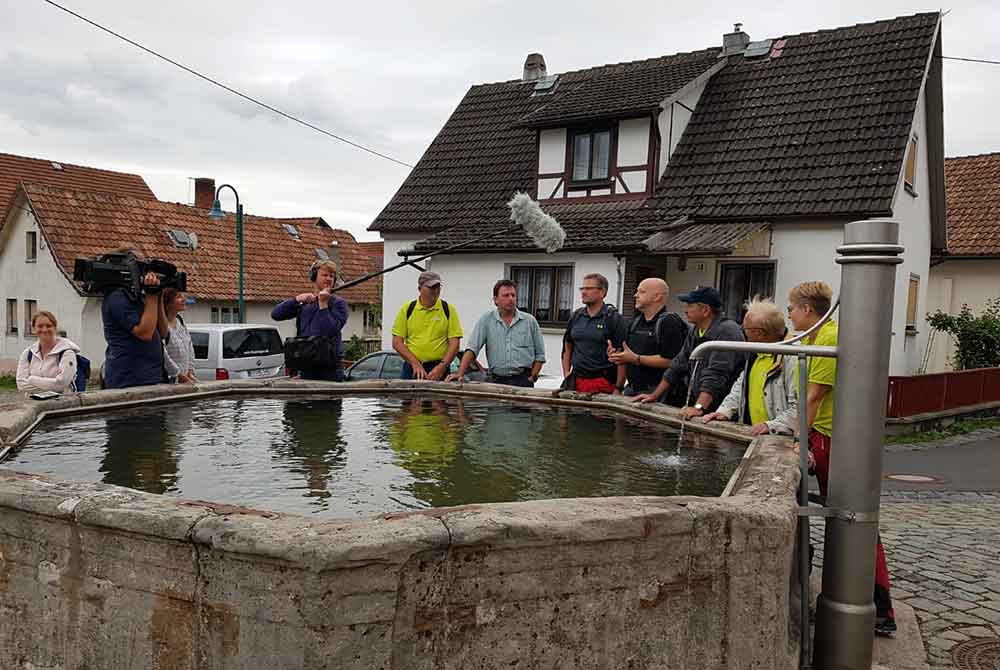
{"x":124,"y":270}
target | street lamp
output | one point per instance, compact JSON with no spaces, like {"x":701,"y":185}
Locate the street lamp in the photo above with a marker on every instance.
{"x":218,"y":214}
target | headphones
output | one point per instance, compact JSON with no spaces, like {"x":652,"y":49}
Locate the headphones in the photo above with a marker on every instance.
{"x":314,"y":271}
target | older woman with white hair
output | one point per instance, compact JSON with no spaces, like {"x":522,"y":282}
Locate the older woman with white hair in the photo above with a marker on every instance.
{"x":763,"y":396}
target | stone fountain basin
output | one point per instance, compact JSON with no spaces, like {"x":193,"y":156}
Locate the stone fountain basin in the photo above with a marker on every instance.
{"x":99,"y":576}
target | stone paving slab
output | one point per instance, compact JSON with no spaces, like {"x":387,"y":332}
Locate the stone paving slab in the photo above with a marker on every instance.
{"x":943,"y":549}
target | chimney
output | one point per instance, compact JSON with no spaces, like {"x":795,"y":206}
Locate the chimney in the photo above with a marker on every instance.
{"x":534,"y":67}
{"x":334,"y":253}
{"x":735,"y":42}
{"x":204,"y":192}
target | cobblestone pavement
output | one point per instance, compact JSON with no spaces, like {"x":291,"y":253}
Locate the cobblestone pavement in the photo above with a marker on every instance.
{"x":943,"y":549}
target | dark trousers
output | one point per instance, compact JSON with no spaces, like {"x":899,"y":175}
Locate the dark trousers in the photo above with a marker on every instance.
{"x":407,"y":372}
{"x":819,"y":445}
{"x":523,"y":380}
{"x":332,"y":374}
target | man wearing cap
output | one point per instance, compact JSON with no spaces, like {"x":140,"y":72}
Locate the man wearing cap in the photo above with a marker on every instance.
{"x":717,"y":370}
{"x":427,"y":332}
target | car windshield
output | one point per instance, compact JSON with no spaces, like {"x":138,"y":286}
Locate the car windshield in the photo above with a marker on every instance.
{"x":248,"y":342}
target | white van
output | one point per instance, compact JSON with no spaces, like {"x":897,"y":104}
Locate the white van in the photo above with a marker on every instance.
{"x":236,"y":351}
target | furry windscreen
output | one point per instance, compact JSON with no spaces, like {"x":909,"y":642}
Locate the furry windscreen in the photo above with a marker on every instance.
{"x":543,"y":230}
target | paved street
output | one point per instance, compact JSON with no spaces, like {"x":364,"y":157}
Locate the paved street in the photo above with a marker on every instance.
{"x":943,"y":540}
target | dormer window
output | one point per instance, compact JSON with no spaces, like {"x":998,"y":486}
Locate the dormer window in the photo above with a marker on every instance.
{"x":591,"y":157}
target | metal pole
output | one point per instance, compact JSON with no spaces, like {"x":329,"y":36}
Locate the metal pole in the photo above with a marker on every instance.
{"x":239,"y":238}
{"x":845,"y":612}
{"x":805,"y":639}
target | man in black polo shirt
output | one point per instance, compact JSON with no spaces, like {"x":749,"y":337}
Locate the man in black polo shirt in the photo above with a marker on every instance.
{"x":653,"y":338}
{"x":585,"y":344}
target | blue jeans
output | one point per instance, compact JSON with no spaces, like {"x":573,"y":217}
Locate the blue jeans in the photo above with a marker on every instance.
{"x":407,"y":372}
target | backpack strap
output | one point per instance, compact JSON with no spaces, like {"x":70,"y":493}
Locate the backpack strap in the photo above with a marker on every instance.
{"x":444,"y":307}
{"x":30,"y":355}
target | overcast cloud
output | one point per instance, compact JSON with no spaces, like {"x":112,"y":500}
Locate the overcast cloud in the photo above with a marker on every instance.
{"x":381,"y":73}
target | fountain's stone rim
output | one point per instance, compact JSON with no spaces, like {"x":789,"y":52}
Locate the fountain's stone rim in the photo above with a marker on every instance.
{"x":761,"y":491}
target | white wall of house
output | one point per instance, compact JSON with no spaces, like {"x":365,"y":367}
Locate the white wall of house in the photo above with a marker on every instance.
{"x":675,"y":116}
{"x":468,"y":285}
{"x":807,"y":252}
{"x":953,"y":284}
{"x":400,"y":285}
{"x":41,"y":281}
{"x":914,"y":216}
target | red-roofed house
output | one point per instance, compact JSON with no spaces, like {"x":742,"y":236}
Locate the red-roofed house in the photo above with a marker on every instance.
{"x":46,"y":227}
{"x":734,"y":166}
{"x":968,"y":272}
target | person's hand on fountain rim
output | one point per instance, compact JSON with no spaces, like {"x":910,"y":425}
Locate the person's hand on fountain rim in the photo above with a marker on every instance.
{"x":715,"y":416}
{"x":691,"y":412}
{"x":646,"y":398}
{"x":760,"y":429}
{"x":438,"y":372}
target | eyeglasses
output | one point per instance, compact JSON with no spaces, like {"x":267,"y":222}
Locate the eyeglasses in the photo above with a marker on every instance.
{"x":590,"y":288}
{"x":791,"y":308}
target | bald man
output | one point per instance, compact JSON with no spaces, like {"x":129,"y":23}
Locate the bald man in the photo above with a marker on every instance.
{"x":654,"y":338}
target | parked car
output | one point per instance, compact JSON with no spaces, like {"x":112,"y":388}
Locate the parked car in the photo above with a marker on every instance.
{"x":389,"y":365}
{"x":236,"y":351}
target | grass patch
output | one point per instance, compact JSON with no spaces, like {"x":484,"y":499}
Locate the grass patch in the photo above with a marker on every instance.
{"x":960,"y":427}
{"x":8,"y":384}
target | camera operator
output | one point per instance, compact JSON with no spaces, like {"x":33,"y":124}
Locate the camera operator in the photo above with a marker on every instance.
{"x":134,"y":328}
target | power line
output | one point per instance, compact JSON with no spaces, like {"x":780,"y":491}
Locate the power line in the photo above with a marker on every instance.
{"x":228,"y":88}
{"x":972,"y":60}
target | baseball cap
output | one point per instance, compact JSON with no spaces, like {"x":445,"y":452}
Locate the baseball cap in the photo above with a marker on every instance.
{"x":428,"y":278}
{"x":706,"y":295}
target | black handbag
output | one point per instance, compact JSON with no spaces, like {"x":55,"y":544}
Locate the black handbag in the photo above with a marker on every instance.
{"x":307,"y":354}
{"x":314,"y":353}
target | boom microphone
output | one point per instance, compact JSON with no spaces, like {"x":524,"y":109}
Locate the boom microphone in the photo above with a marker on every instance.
{"x":543,"y":230}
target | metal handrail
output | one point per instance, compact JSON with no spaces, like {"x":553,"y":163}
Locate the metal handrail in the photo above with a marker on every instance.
{"x":778,"y":348}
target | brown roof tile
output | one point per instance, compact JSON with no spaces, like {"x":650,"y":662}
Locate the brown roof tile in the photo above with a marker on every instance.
{"x":15,"y":169}
{"x":85,"y":224}
{"x":482,"y":155}
{"x":973,"y":188}
{"x":817,"y":131}
{"x":621,"y":90}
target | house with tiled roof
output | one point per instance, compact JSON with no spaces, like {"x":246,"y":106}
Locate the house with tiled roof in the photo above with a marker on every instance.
{"x":735,"y":166}
{"x":46,"y":227}
{"x":967,"y":271}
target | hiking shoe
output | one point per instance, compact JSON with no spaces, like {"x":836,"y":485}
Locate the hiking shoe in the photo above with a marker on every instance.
{"x":885,"y":627}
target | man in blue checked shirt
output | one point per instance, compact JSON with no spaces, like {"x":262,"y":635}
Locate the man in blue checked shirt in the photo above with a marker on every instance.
{"x":515,"y":350}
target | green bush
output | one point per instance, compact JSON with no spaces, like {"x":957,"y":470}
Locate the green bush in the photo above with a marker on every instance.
{"x":354,"y":349}
{"x":977,"y":338}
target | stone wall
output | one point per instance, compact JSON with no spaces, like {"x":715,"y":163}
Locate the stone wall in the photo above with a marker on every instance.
{"x":95,"y":576}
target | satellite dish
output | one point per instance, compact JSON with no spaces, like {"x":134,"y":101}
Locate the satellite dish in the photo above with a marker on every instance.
{"x":194,"y":240}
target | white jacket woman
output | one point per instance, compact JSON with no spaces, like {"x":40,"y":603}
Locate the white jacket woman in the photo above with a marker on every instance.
{"x":50,"y":363}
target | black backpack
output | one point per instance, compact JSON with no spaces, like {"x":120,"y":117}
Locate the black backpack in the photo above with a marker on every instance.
{"x":444,"y":306}
{"x":664,"y":315}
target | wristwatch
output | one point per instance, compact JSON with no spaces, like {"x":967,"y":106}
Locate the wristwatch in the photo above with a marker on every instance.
{"x":698,"y":406}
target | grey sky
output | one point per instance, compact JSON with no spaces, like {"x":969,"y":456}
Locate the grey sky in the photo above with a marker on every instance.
{"x":384,"y":74}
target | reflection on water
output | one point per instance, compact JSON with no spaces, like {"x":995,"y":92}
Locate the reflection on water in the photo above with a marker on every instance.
{"x":337,"y":457}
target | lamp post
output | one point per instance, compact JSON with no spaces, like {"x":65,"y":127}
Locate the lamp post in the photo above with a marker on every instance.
{"x":218,"y":214}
